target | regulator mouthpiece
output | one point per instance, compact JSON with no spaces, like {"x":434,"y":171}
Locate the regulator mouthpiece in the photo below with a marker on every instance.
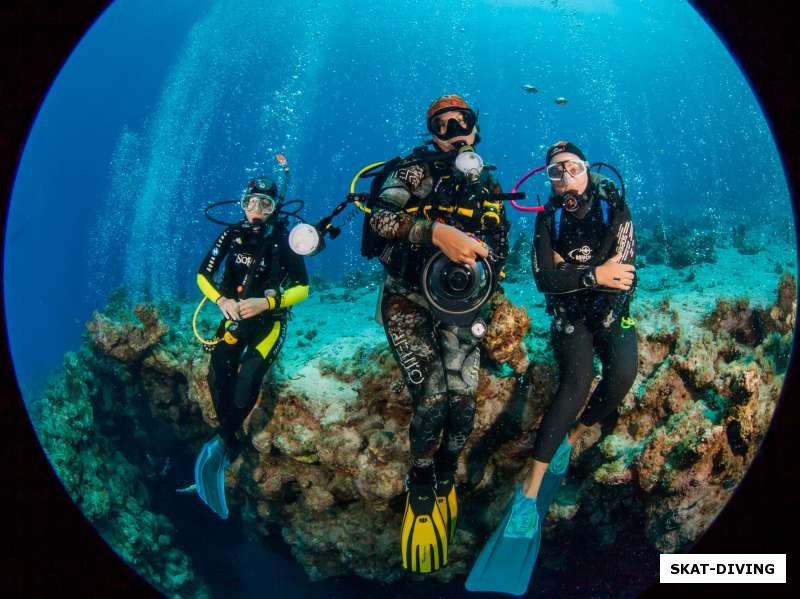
{"x":570,"y":201}
{"x":469,"y":163}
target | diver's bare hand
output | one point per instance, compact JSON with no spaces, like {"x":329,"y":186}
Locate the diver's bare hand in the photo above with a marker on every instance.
{"x":615,"y":275}
{"x":557,"y":259}
{"x":229,"y":308}
{"x":456,"y":245}
{"x":252,"y":306}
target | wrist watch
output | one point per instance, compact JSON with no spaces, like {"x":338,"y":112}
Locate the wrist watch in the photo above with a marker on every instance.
{"x":589,"y":279}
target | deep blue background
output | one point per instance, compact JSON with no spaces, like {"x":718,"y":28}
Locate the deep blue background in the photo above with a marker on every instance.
{"x":161,"y":111}
{"x":771,"y":55}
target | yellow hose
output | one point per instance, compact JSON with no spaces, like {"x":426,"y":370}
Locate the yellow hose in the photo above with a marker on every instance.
{"x":355,"y":180}
{"x":210,"y":343}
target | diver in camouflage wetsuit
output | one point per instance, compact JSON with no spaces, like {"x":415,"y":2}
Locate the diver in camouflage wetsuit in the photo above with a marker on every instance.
{"x":440,"y":361}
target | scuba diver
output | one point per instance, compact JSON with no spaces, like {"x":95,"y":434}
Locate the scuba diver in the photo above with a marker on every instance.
{"x":443,"y":243}
{"x":261,"y":281}
{"x":583,"y":261}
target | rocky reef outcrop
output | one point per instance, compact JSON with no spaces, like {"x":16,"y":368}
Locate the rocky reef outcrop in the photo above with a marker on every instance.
{"x":326,"y":448}
{"x":81,"y":420}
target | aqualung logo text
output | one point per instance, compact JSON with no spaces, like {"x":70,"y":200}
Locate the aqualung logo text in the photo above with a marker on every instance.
{"x":581,"y":254}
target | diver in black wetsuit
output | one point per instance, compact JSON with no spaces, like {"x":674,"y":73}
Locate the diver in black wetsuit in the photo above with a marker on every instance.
{"x":262,"y":279}
{"x":583,"y":260}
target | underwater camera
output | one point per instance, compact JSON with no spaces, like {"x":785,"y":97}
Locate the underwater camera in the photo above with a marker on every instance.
{"x":456,"y":292}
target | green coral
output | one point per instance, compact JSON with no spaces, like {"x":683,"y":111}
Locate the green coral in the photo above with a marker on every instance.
{"x":75,"y":421}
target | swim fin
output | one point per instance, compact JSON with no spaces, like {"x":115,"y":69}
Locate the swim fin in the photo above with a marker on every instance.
{"x":553,"y":476}
{"x":447,"y":500}
{"x":506,"y":562}
{"x":209,"y":475}
{"x":424,"y":534}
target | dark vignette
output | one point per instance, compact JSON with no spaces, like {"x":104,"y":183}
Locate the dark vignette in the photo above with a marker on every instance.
{"x":48,"y":546}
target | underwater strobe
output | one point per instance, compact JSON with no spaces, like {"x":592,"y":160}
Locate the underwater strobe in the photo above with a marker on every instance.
{"x":456,"y":292}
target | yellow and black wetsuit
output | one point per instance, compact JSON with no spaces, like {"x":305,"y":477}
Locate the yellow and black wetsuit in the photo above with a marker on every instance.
{"x":240,"y":361}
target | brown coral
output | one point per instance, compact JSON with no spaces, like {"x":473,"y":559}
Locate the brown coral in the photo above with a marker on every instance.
{"x":507,"y":329}
{"x":124,"y":340}
{"x":329,"y":443}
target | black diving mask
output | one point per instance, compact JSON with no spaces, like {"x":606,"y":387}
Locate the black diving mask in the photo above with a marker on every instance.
{"x":453,"y":126}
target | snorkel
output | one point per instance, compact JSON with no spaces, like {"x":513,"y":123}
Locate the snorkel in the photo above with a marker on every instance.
{"x":514,"y":189}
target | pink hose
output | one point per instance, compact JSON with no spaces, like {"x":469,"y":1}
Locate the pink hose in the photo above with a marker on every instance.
{"x":525,"y":177}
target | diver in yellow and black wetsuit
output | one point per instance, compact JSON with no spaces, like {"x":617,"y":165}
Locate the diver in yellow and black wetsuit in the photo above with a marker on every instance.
{"x":261,"y":281}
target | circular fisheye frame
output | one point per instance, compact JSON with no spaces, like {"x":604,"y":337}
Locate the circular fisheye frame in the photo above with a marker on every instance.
{"x":214,"y":393}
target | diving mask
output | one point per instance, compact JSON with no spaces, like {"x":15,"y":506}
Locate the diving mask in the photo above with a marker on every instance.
{"x":452,"y":123}
{"x":574,"y":168}
{"x":258,"y":202}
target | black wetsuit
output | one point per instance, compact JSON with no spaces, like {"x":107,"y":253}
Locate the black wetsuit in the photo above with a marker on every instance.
{"x":242,"y":358}
{"x":585,"y":318}
{"x":440,"y":361}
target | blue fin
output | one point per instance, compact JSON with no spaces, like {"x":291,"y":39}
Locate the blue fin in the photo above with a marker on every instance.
{"x":209,"y":475}
{"x":553,"y":476}
{"x":506,"y":563}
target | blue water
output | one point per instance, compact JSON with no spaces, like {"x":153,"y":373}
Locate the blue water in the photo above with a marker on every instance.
{"x":159,"y":112}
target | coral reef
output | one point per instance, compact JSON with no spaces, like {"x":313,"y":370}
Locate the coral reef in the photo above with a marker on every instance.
{"x":677,"y":245}
{"x":80,"y":421}
{"x":504,"y":337}
{"x":327,"y":444}
{"x":740,"y":242}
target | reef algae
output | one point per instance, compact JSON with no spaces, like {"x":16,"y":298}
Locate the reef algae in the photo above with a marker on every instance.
{"x":326,"y":448}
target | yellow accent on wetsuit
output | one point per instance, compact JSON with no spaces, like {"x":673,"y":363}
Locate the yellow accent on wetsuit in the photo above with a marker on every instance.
{"x":208,"y":288}
{"x":266,"y":345}
{"x":293,"y":295}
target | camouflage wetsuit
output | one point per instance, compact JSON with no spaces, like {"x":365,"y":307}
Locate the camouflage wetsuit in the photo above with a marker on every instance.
{"x":440,"y":362}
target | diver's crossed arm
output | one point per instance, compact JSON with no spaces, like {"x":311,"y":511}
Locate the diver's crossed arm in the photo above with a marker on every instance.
{"x":388,"y":218}
{"x":297,"y":277}
{"x":625,"y":241}
{"x":552,"y":276}
{"x":291,"y":296}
